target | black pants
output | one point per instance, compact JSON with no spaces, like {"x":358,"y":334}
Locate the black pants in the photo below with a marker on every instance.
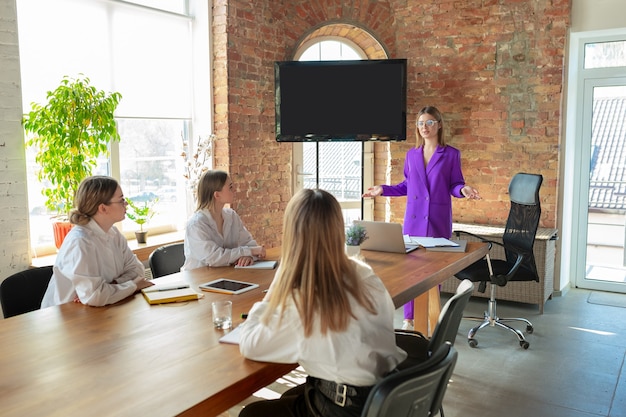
{"x":303,"y":401}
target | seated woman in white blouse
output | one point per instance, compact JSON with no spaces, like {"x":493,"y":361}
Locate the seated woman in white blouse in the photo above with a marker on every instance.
{"x":329,"y":313}
{"x":95,"y":266}
{"x":215,"y":235}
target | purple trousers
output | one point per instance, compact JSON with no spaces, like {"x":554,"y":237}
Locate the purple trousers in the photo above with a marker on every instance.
{"x":409,"y":307}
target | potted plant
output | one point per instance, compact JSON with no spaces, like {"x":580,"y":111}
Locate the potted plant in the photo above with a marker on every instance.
{"x":355,"y":235}
{"x":140,"y":214}
{"x":70,"y":132}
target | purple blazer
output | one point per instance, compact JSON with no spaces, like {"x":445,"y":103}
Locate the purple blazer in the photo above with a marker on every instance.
{"x":428,"y":191}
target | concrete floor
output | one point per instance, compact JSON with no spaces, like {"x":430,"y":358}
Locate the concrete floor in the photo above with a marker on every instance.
{"x":575,"y":366}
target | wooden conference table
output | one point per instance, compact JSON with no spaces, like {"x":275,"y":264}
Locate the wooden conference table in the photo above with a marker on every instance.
{"x":134,"y":359}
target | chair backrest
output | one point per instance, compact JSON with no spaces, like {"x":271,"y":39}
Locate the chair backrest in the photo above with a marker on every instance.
{"x":523,"y":220}
{"x":22,"y":292}
{"x":167,"y":259}
{"x":450,"y":317}
{"x":417,"y":391}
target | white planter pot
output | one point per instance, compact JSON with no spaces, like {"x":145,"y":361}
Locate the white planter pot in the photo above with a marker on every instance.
{"x":353,"y":250}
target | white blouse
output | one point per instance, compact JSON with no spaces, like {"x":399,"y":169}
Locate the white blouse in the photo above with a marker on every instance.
{"x":205,"y":246}
{"x":361,"y":356}
{"x":88,"y":262}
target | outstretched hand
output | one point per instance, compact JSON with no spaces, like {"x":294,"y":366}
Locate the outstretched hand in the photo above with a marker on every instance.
{"x":470,"y":192}
{"x":374,"y":191}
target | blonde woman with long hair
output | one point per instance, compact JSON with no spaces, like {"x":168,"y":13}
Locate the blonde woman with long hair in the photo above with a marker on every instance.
{"x":215,"y":234}
{"x":325,"y":311}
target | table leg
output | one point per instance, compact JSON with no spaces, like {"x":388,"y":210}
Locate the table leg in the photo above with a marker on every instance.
{"x":427,"y":309}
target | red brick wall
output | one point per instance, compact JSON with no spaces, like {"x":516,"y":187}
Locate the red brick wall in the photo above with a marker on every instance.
{"x":494,"y":68}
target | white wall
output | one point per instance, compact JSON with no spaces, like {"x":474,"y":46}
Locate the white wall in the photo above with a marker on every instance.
{"x":598,"y":14}
{"x":14,"y":246}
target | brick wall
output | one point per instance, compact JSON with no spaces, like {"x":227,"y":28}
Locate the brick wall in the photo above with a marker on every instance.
{"x":493,"y":67}
{"x":13,"y":197}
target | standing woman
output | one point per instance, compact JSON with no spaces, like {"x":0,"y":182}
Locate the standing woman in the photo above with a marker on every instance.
{"x":215,"y":235}
{"x":95,"y":266}
{"x":432,"y":173}
{"x":325,"y":311}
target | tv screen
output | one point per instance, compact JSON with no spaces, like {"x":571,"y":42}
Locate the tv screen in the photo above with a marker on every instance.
{"x":340,"y":100}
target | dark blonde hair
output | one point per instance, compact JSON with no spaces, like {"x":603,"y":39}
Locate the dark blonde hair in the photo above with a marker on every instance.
{"x":315,"y":271}
{"x":210,"y":182}
{"x":91,"y":192}
{"x":433,"y":111}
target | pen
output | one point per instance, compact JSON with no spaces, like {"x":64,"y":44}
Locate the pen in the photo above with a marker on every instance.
{"x":173,"y":288}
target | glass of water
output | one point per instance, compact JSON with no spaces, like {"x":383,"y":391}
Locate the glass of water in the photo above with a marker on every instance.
{"x":222,"y":314}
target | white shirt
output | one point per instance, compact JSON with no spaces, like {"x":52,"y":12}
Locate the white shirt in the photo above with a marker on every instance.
{"x":205,"y":246}
{"x":89,"y":260}
{"x":361,"y":355}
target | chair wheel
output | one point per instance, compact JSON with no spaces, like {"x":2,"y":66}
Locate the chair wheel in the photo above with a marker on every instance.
{"x":472,"y":342}
{"x":524,"y":344}
{"x":529,"y":329}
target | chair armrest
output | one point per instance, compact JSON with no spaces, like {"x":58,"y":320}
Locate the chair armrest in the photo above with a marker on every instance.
{"x":414,"y":333}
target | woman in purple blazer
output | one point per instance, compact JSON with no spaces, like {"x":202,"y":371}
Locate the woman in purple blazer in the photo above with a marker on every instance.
{"x":432,"y":173}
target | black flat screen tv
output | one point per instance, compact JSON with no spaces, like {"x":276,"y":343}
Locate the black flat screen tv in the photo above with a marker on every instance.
{"x":340,"y":100}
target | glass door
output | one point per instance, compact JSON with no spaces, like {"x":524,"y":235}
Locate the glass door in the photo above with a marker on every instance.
{"x":604,"y":133}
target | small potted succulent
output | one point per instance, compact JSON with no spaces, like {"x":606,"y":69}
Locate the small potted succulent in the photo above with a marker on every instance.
{"x":355,"y":235}
{"x":140,"y":214}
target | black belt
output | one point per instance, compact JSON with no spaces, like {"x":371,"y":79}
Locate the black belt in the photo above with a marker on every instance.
{"x":340,"y":394}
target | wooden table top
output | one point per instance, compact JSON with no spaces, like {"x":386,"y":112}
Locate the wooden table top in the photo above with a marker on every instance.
{"x":134,"y":359}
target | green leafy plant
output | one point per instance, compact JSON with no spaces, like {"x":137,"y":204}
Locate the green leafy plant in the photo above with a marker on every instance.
{"x":355,"y":235}
{"x":141,"y":213}
{"x":70,"y":133}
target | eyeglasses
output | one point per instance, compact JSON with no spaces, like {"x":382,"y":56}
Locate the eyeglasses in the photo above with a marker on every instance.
{"x":124,"y":202}
{"x":429,"y":123}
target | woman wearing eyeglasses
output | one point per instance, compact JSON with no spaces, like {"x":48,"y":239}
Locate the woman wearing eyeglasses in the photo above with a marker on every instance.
{"x":95,"y":266}
{"x":432,"y":173}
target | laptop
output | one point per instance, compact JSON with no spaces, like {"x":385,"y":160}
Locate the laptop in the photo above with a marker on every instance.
{"x":385,"y":237}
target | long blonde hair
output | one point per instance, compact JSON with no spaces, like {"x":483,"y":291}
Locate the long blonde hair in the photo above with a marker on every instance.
{"x":210,"y":182}
{"x":315,"y":271}
{"x":433,"y":111}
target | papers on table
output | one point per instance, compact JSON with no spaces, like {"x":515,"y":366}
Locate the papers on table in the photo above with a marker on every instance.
{"x":430,"y":242}
{"x":232,"y":337}
{"x":259,"y":265}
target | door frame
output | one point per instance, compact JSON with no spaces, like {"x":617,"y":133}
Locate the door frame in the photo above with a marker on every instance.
{"x":577,"y":155}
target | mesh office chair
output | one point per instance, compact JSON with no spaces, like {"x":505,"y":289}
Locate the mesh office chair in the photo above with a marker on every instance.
{"x":22,"y":292}
{"x":167,"y":259}
{"x":418,"y":346}
{"x":417,"y":391}
{"x":519,"y":265}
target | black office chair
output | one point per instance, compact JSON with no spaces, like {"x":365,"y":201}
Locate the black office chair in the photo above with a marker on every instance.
{"x":167,"y":259}
{"x":417,"y":391}
{"x":519,"y":265}
{"x":419,"y":347}
{"x":22,"y":292}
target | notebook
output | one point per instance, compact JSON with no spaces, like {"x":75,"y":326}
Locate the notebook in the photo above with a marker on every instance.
{"x":259,"y":265}
{"x":461,"y":247}
{"x":170,"y":293}
{"x":385,"y":237}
